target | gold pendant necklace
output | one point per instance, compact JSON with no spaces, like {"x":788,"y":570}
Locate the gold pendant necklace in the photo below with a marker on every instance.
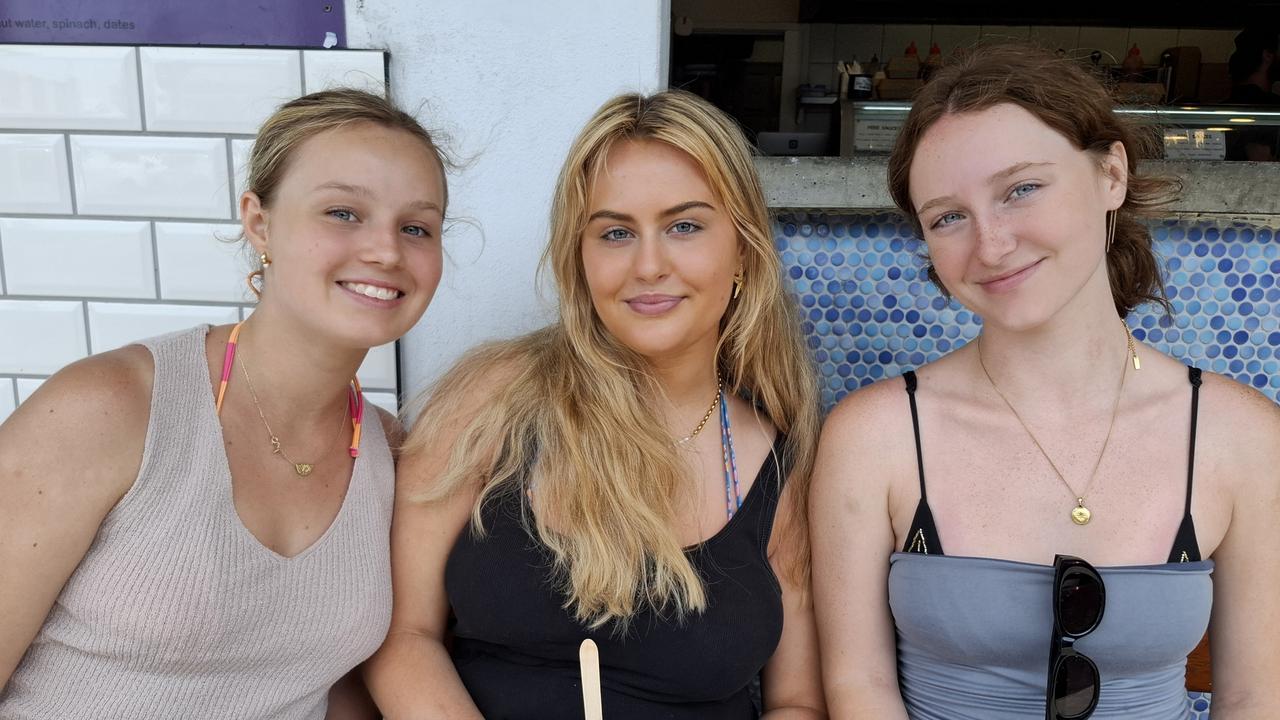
{"x":303,"y":469}
{"x":715,"y":402}
{"x":1080,"y":514}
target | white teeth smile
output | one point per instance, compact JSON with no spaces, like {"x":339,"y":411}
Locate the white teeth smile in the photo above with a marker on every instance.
{"x":373,"y":291}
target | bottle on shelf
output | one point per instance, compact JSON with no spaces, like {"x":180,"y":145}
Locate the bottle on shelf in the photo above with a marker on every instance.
{"x":932,"y":62}
{"x":906,"y":65}
{"x":1132,"y":64}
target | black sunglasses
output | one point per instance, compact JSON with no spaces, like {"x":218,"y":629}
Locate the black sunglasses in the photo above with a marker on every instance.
{"x":1079,"y":599}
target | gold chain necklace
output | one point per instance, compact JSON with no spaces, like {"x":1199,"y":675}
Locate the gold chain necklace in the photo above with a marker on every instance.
{"x":703,"y":422}
{"x":1080,"y":514}
{"x":301,"y":468}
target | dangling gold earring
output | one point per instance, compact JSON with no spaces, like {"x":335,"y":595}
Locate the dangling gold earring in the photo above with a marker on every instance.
{"x":258,"y":274}
{"x":739,"y":279}
{"x":253,"y":287}
{"x":1111,"y":228}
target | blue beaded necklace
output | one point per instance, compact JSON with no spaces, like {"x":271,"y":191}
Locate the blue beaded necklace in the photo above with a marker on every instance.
{"x":732,"y":493}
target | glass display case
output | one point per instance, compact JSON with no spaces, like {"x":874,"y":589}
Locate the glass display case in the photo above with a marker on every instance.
{"x":1190,"y":132}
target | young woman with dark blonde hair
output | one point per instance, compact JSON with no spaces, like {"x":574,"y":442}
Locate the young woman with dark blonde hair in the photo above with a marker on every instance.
{"x":616,"y":475}
{"x":196,"y":526}
{"x":1054,"y":480}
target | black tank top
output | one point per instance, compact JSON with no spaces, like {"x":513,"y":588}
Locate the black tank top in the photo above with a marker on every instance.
{"x":923,"y":536}
{"x":516,"y":647}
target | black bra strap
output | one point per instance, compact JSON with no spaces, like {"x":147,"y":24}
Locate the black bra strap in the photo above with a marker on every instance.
{"x":922,"y":536}
{"x":910,"y":378}
{"x":1193,"y":374}
{"x":1186,"y":548}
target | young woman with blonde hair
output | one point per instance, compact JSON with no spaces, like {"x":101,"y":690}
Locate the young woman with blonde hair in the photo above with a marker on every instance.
{"x":197,"y":526}
{"x":1071,"y":508}
{"x":615,"y":476}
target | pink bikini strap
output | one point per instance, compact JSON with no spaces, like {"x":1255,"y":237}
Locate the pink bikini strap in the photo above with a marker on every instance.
{"x":228,"y":361}
{"x":355,"y":399}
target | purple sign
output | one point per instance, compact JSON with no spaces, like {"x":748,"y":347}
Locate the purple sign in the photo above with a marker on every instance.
{"x":283,"y":23}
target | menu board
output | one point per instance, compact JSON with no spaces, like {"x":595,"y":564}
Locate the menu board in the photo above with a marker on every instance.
{"x":280,"y":23}
{"x":875,"y":134}
{"x":1195,"y":144}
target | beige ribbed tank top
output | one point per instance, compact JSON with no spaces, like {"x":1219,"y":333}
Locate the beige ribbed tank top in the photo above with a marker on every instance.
{"x":178,"y":611}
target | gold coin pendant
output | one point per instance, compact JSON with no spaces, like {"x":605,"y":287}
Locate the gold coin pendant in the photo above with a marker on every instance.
{"x":1080,"y":514}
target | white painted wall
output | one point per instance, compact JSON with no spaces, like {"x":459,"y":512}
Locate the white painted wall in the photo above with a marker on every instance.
{"x":512,"y":82}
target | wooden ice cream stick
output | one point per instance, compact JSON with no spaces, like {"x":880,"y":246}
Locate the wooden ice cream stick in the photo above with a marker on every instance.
{"x":589,"y":665}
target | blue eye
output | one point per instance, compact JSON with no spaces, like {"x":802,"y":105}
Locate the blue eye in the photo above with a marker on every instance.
{"x":342,"y":214}
{"x":416,"y":231}
{"x":1024,"y":190}
{"x":615,"y":235}
{"x":946,"y":219}
{"x":684,"y":227}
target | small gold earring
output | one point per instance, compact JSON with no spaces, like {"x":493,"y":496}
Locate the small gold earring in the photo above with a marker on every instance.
{"x":265,"y":259}
{"x":254,"y":286}
{"x":739,"y":279}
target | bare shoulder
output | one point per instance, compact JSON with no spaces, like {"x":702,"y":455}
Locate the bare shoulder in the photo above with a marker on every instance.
{"x":1240,"y":410}
{"x":868,"y":437}
{"x":86,"y":423}
{"x":114,"y":385}
{"x":1243,"y":425}
{"x":869,"y":413}
{"x":865,"y":440}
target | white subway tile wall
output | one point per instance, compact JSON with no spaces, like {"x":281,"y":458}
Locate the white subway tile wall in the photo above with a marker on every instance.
{"x":217,"y":90}
{"x":358,"y":68}
{"x":8,"y":400}
{"x":26,"y":386}
{"x":40,"y":336}
{"x":113,"y":325}
{"x":70,"y":257}
{"x":69,"y":87}
{"x":240,"y":150}
{"x":34,"y":176}
{"x":120,"y":168}
{"x":201,"y":261}
{"x":151,"y":176}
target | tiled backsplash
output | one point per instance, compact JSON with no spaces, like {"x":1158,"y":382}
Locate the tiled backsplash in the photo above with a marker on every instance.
{"x":870,"y":313}
{"x":829,"y":43}
{"x":117,"y":203}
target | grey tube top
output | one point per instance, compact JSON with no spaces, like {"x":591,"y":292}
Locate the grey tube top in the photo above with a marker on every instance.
{"x":973,"y":637}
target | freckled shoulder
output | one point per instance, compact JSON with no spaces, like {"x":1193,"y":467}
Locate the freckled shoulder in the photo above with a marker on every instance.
{"x":870,"y":415}
{"x":867,"y":438}
{"x":1243,"y":427}
{"x":84,"y":429}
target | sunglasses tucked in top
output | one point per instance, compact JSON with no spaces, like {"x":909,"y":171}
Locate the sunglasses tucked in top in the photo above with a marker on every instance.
{"x":971,"y":631}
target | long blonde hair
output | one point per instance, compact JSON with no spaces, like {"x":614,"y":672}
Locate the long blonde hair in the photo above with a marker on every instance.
{"x":577,"y":410}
